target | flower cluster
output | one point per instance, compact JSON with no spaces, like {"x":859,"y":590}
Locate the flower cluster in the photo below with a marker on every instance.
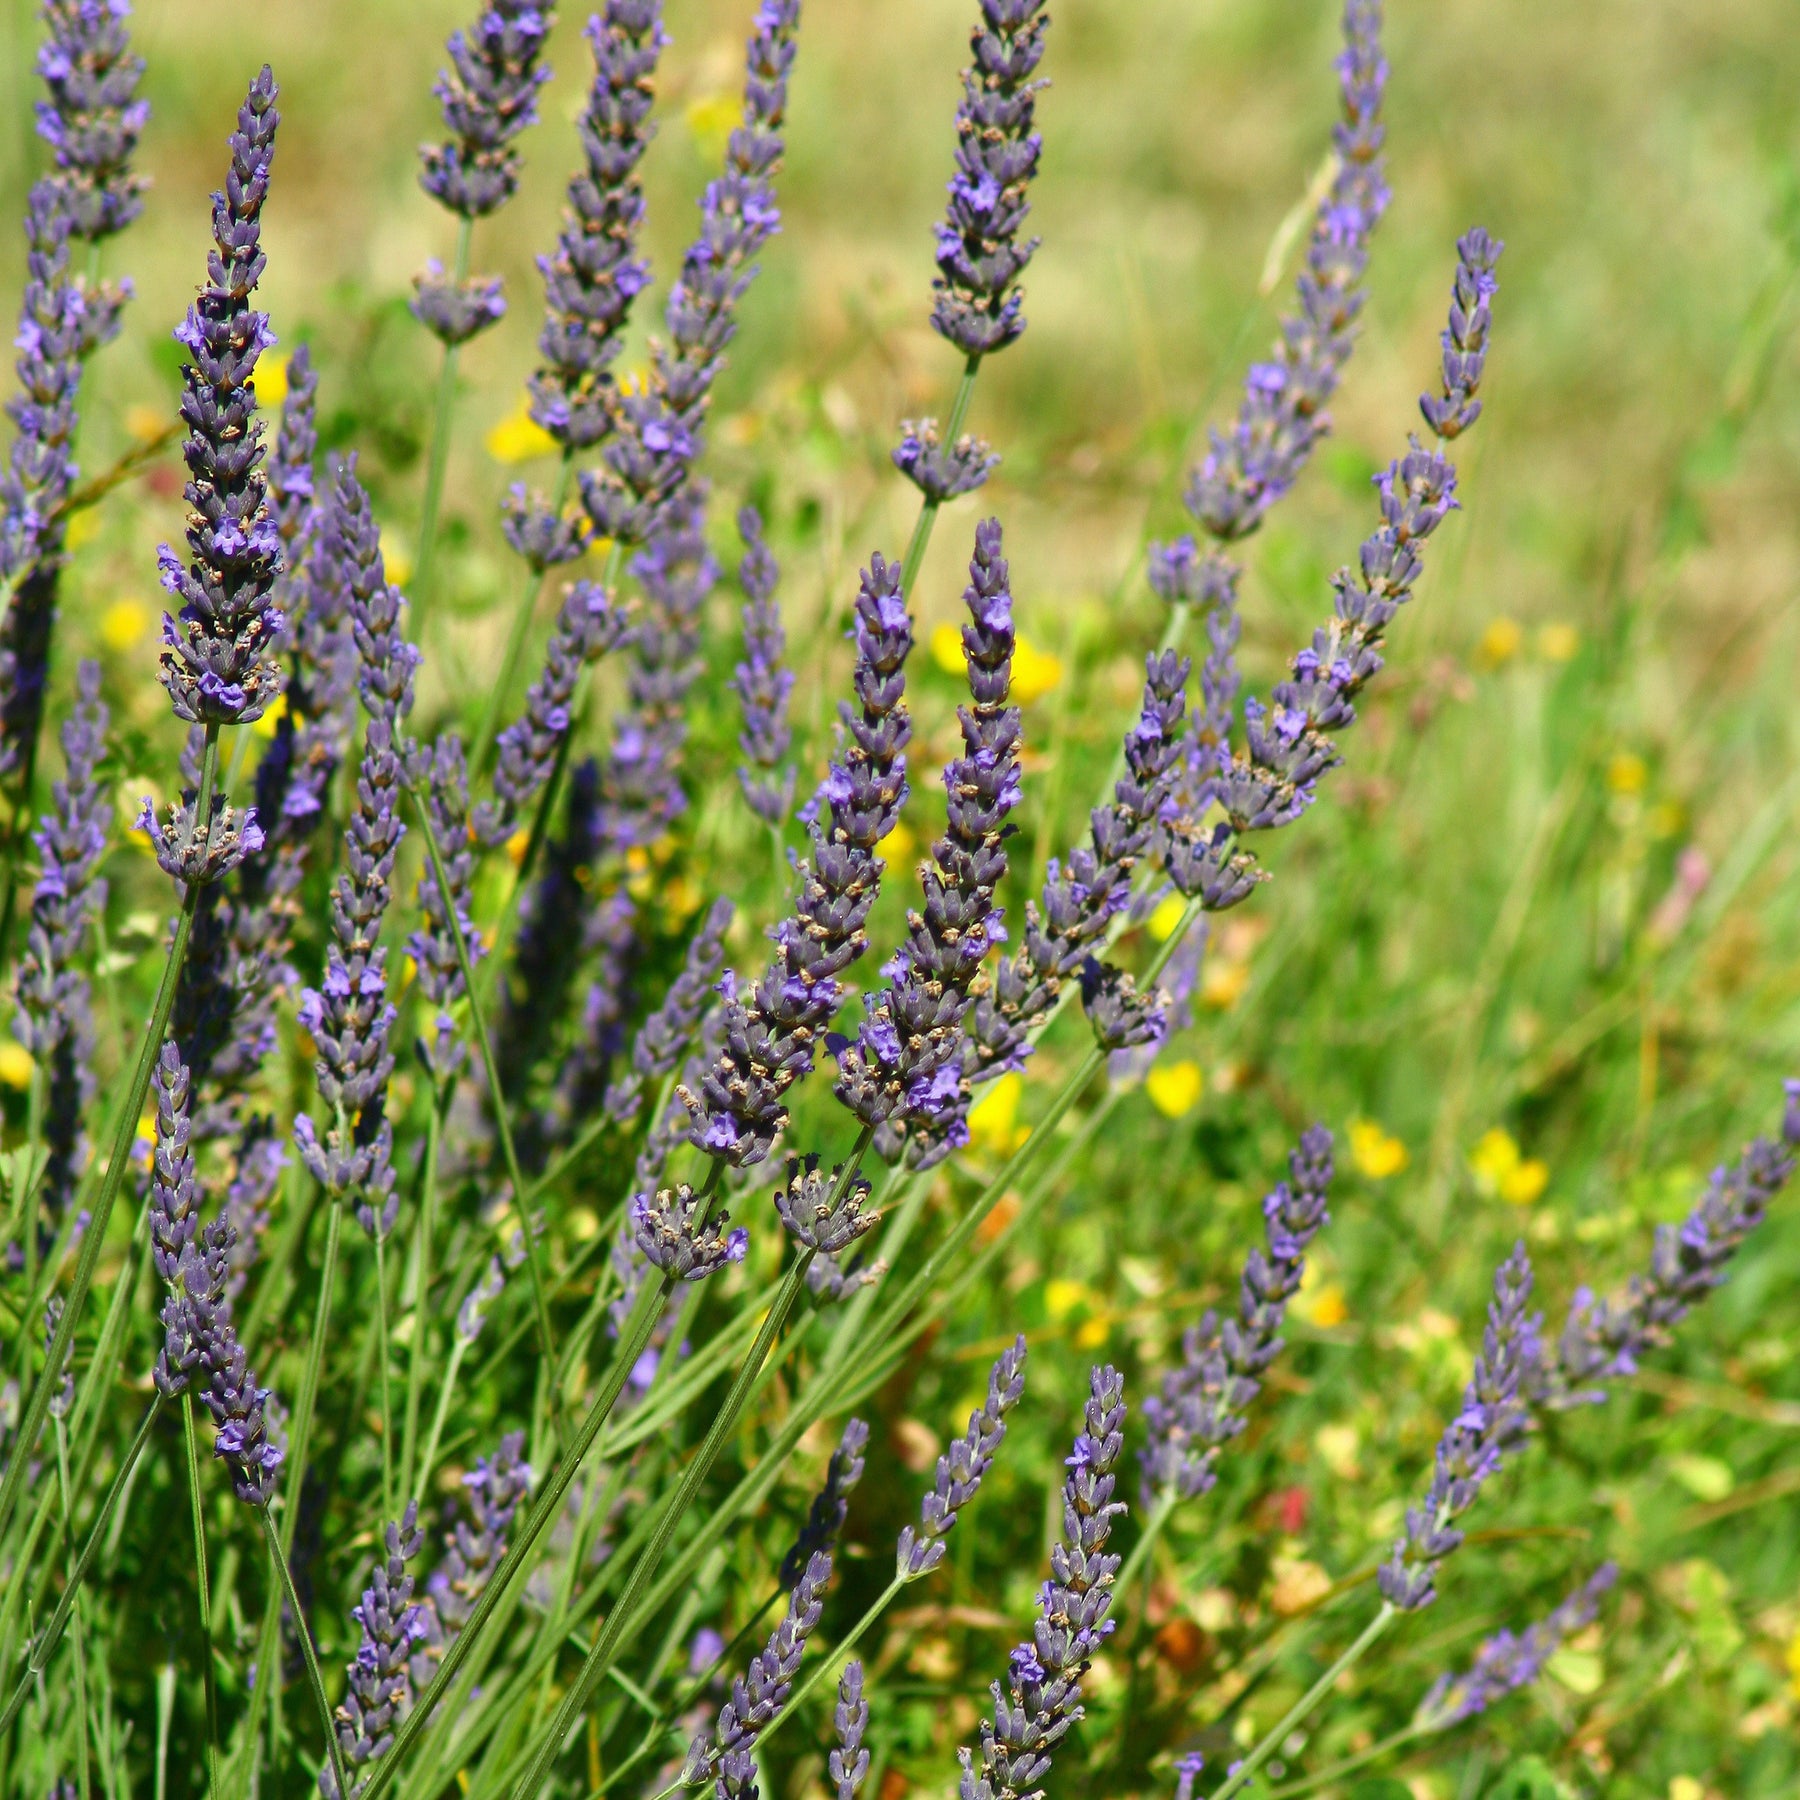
{"x":906,"y":1062}
{"x":218,"y":665}
{"x":848,"y":1764}
{"x":1042,"y":1700}
{"x":495,"y":1488}
{"x":433,"y":946}
{"x":961,"y":1468}
{"x":771,"y":1038}
{"x":762,"y":684}
{"x":980,"y":257}
{"x":1465,"y":337}
{"x":93,"y":117}
{"x":1205,"y":1398}
{"x":1494,"y":1420}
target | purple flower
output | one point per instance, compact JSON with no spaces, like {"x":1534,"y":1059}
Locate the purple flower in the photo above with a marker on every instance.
{"x":961,"y":1468}
{"x":1509,"y":1661}
{"x":595,"y":273}
{"x":980,"y":256}
{"x":830,"y":1505}
{"x":1465,"y":337}
{"x":456,"y":309}
{"x":1042,"y":1699}
{"x":772,"y":1036}
{"x":848,"y":1764}
{"x":433,"y":946}
{"x":938,"y":473}
{"x":489,"y":95}
{"x":906,"y":1063}
{"x":93,"y":118}
{"x":1494,"y":1420}
{"x":673,"y":1231}
{"x":1205,"y":1399}
{"x":218,"y":664}
{"x":763,"y":685}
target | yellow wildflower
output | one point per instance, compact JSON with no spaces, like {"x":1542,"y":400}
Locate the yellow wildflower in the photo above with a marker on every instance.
{"x":518,"y":438}
{"x":712,"y":118}
{"x":124,"y":623}
{"x":1627,"y":774}
{"x":1376,"y":1153}
{"x":946,"y":648}
{"x":272,"y":717}
{"x":271,"y":378}
{"x":1499,"y":643}
{"x":1174,"y":1088}
{"x":83,"y":528}
{"x":1034,"y":672}
{"x":1501,"y":1171}
{"x":897,"y":846}
{"x":1222,"y":984}
{"x":1325,"y":1308}
{"x":1092,"y":1334}
{"x":515,"y":846}
{"x":16,"y":1064}
{"x":1558,"y":642}
{"x":1171,"y":909}
{"x":1793,"y":1665}
{"x":993,"y":1119}
{"x":1062,"y":1296}
{"x":145,"y":422}
{"x":396,"y":560}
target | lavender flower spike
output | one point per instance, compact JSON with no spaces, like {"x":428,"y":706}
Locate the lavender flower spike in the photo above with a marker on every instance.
{"x":1604,"y":1339}
{"x":771,"y":1039}
{"x":980,"y":307}
{"x":1043,"y":1695}
{"x":217,"y":665}
{"x":93,"y":117}
{"x":1465,"y":337}
{"x":1506,"y":1663}
{"x":378,"y":1685}
{"x":433,"y":946}
{"x":907,"y":1061}
{"x":54,"y":1020}
{"x":848,"y":1764}
{"x":830,"y":1506}
{"x":961,"y":1468}
{"x":762,"y":684}
{"x":722,"y":1755}
{"x":1205,"y":1399}
{"x":1494,"y":1420}
{"x":596,"y":273}
{"x":489,"y":95}
{"x":673,"y":1232}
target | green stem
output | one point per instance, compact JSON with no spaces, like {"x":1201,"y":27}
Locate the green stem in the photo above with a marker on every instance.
{"x":1308,"y":1703}
{"x":81,"y":1699}
{"x":840,"y":1654}
{"x":44,"y":1645}
{"x":300,"y":1430}
{"x":418,"y":1354}
{"x":1397,"y":1740}
{"x":921,"y":534}
{"x":439,"y":461}
{"x":387,"y":1401}
{"x":303,"y":1631}
{"x":458,"y":1351}
{"x":125,"y":1129}
{"x":520,"y":1187}
{"x":198,"y":1511}
{"x":1153,"y":1529}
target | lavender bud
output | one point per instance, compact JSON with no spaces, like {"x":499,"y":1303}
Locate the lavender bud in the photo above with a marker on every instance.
{"x":62,"y":1402}
{"x":1122,"y":1018}
{"x":1465,"y":337}
{"x":489,"y":95}
{"x":174,"y":1199}
{"x":93,"y":117}
{"x":848,"y":1764}
{"x":1494,"y":1420}
{"x":763,"y":686}
{"x":217,"y":664}
{"x":433,"y":946}
{"x":961,"y":1468}
{"x":672,"y":1230}
{"x":471,"y":1316}
{"x":454,"y":311}
{"x":831,"y":1505}
{"x":807,"y":1210}
{"x":538,"y":533}
{"x":1187,"y":1772}
{"x":942,"y":474}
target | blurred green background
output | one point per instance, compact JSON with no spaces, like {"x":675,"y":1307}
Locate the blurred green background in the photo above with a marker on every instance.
{"x":1539,"y":945}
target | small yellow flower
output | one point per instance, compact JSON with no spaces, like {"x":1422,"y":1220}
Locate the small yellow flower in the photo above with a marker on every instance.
{"x":1171,"y":909}
{"x":1793,"y":1665}
{"x":515,"y":846}
{"x":16,"y":1064}
{"x":1222,"y":984}
{"x":271,"y":379}
{"x":1499,"y":643}
{"x":1558,"y":642}
{"x":584,"y":1223}
{"x":1627,"y":774}
{"x":712,"y":118}
{"x":83,"y":528}
{"x":1500,"y":1170}
{"x":1092,"y":1334}
{"x":395,"y":560}
{"x":518,"y":438}
{"x":1376,"y":1153}
{"x":947,"y":648}
{"x":1685,"y":1787}
{"x":1526,"y":1183}
{"x":265,"y":727}
{"x":993,"y":1119}
{"x":145,"y":422}
{"x":124,"y":623}
{"x":1034,"y":672}
{"x":1325,"y":1308}
{"x":1666,"y":819}
{"x":1174,"y":1088}
{"x":1061,"y":1297}
{"x":897,"y":846}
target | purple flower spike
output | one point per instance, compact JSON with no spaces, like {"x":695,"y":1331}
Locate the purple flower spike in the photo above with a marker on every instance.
{"x":455,"y":311}
{"x":656,"y":433}
{"x":980,"y":256}
{"x":813,"y":1221}
{"x":904,"y":1072}
{"x":722,"y":1755}
{"x":378,"y":1686}
{"x":1508,"y":1662}
{"x":772,"y":1036}
{"x":938,"y":473}
{"x":831,"y":1505}
{"x":489,"y":95}
{"x":1465,"y":337}
{"x":93,"y":118}
{"x":848,"y":1764}
{"x":218,"y":664}
{"x":54,"y":1021}
{"x":1494,"y":1420}
{"x":1204,"y":1401}
{"x":433,"y":946}
{"x":673,"y":1232}
{"x":763,"y":686}
{"x":595,"y":273}
{"x":1605,"y":1339}
{"x":961,"y":1468}
{"x":1042,"y":1699}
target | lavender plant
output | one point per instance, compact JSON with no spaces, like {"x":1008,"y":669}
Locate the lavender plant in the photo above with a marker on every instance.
{"x":659,"y":1417}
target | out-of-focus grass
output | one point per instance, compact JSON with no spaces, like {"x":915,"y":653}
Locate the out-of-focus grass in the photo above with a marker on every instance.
{"x":1483,"y":928}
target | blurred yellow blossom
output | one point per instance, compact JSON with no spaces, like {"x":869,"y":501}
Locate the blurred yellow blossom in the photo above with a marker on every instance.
{"x":518,"y":438}
{"x":1337,"y":1446}
{"x":83,"y":528}
{"x":993,"y":1119}
{"x":1034,"y":672}
{"x":272,"y":717}
{"x":124,"y":623}
{"x":1685,"y":1787}
{"x":1627,"y":774}
{"x":897,"y":846}
{"x":1502,"y":1171}
{"x":1062,"y":1296}
{"x":1171,"y":909}
{"x":515,"y":846}
{"x":1092,"y":1333}
{"x":1667,"y":819}
{"x":396,"y":560}
{"x":16,"y":1064}
{"x":712,"y":118}
{"x":1376,"y":1153}
{"x":1793,"y":1665}
{"x":946,"y":648}
{"x":146,"y":423}
{"x":1558,"y":642}
{"x":271,"y":378}
{"x":1499,"y":643}
{"x":1222,"y":984}
{"x":1174,"y":1088}
{"x":1325,"y":1308}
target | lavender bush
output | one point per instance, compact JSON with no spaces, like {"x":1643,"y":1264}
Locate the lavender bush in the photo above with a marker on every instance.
{"x":549,"y":1477}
